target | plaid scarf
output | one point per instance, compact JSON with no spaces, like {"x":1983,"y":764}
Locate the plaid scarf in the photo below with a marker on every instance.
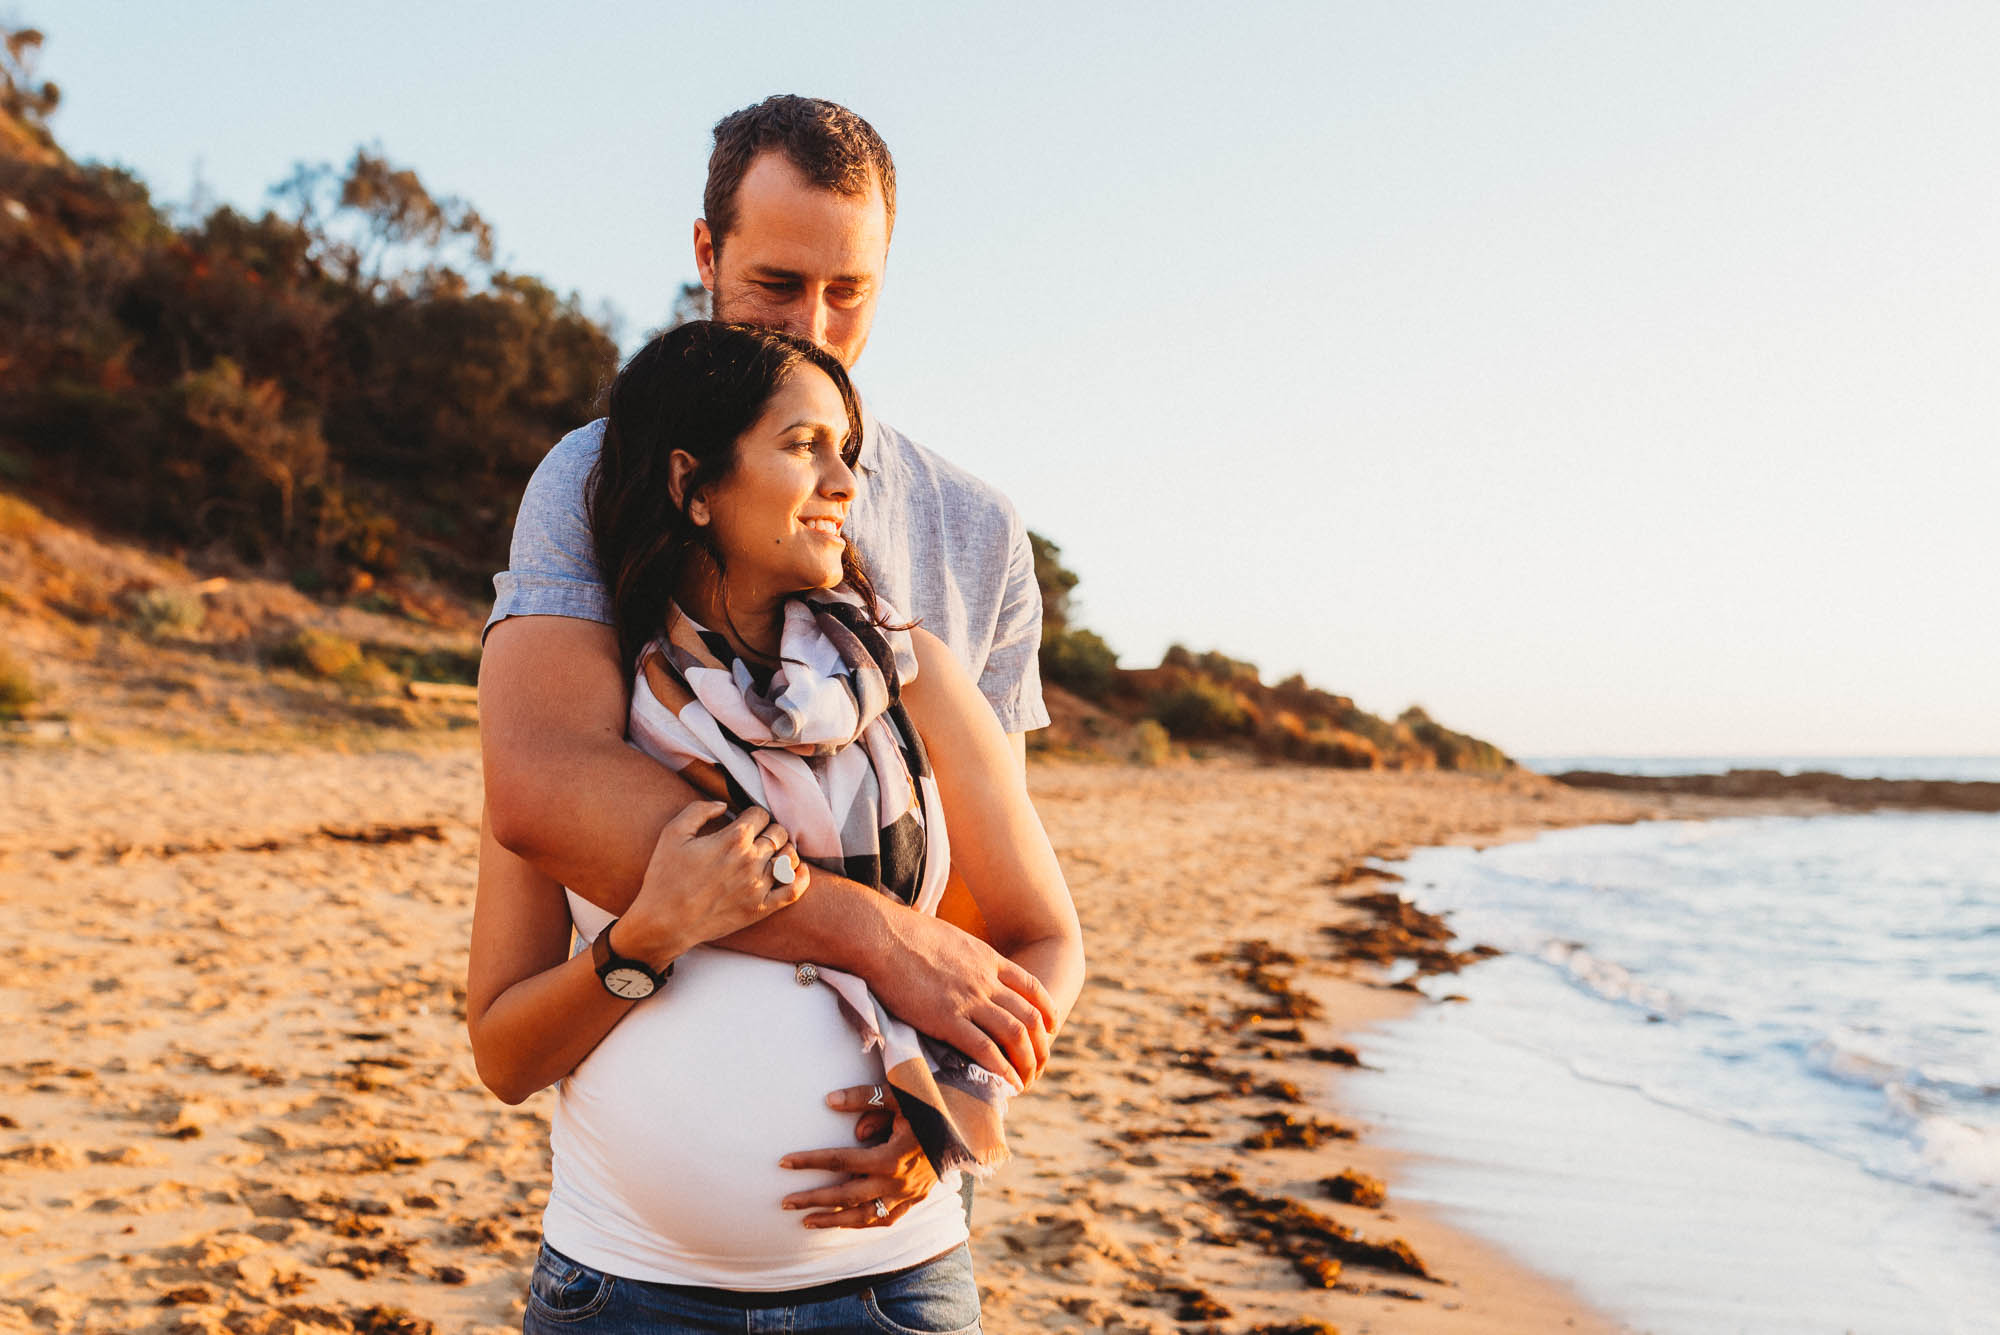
{"x":827,"y":748}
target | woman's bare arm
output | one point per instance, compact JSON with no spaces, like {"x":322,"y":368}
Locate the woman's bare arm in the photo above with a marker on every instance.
{"x":533,"y":1010}
{"x":997,"y":841}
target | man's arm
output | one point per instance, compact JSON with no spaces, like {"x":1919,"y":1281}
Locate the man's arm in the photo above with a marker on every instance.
{"x":566,"y":793}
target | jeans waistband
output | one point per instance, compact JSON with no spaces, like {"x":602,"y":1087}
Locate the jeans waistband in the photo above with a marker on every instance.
{"x":759,"y":1299}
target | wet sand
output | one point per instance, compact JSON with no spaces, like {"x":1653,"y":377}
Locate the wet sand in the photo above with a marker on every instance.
{"x":237,"y":1094}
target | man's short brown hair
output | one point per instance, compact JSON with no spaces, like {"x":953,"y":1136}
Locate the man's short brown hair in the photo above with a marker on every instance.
{"x":832,"y":148}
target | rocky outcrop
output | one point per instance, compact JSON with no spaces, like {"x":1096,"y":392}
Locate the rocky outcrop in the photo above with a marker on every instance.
{"x":1835,"y":789}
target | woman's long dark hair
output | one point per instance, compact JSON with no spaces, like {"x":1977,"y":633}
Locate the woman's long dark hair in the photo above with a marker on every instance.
{"x":698,"y":388}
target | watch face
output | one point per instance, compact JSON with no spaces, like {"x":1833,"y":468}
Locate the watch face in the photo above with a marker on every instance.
{"x":631,"y":984}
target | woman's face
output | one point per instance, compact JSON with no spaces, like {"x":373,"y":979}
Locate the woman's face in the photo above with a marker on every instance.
{"x":777,"y":517}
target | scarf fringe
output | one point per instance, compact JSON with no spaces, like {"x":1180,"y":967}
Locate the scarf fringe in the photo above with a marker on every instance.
{"x":979,"y":1075}
{"x":965,"y":1161}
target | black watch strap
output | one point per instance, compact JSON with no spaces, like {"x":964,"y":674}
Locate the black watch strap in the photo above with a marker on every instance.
{"x":608,"y":962}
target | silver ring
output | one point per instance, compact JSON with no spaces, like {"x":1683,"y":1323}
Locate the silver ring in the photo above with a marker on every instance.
{"x":805,"y":973}
{"x":881,"y":1210}
{"x":782,"y":870}
{"x":876,"y":1097}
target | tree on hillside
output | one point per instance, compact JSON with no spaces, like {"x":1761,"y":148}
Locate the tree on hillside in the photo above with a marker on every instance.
{"x":1056,"y":582}
{"x":363,"y":222}
{"x":344,"y":384}
{"x":1073,"y":658}
{"x":22,"y":97}
{"x":691,"y":303}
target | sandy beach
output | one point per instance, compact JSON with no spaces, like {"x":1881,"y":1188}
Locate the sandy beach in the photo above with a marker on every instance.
{"x":238,"y":1094}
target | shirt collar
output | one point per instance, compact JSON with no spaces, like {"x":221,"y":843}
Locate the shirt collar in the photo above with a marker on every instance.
{"x":866,"y":457}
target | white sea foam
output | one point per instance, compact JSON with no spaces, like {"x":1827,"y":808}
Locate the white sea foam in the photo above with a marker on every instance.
{"x":1609,"y":980}
{"x":1825,"y":985}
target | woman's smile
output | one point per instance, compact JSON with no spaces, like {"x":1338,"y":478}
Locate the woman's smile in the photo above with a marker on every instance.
{"x":776,"y":518}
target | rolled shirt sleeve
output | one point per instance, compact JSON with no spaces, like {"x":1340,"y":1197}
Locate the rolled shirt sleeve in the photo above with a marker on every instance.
{"x":552,"y":563}
{"x":1011,"y":681}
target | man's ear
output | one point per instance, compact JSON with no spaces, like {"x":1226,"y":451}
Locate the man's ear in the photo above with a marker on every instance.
{"x":704,"y":253}
{"x":680,"y":467}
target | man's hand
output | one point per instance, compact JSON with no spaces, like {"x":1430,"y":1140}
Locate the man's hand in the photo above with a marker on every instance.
{"x":891,"y":1168}
{"x":961,"y":991}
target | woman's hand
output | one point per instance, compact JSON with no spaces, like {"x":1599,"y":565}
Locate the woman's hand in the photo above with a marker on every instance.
{"x":700,"y":887}
{"x":890,"y":1168}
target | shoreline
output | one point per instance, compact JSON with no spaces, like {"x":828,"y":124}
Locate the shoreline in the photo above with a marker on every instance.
{"x":257,"y":1111}
{"x":1654,"y":1136}
{"x":1172,"y":1053}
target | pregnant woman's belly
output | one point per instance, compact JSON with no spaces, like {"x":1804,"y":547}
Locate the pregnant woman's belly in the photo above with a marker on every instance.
{"x":667,"y":1137}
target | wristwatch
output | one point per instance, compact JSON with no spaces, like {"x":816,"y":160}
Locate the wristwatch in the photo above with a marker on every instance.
{"x":633,"y":980}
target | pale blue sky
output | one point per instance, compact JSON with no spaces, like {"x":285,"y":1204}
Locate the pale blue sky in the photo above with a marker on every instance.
{"x":1606,"y":377}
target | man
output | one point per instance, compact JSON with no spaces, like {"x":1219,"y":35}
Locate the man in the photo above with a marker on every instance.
{"x":799,"y":208}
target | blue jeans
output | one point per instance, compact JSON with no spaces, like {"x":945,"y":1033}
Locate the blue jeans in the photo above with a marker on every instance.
{"x":935,"y":1298}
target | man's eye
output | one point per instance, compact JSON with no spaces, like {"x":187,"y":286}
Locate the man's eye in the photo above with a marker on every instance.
{"x":779,"y":287}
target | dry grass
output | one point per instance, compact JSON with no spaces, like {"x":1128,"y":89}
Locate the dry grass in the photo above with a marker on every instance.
{"x":18,"y":519}
{"x":17,"y":687}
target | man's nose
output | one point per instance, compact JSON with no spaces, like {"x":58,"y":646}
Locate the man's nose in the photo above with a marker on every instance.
{"x":810,"y":322}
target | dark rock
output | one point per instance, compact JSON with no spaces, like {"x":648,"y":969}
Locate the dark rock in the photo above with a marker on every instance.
{"x":1356,"y":1188}
{"x":1294,"y":1230}
{"x":1337,"y":1056}
{"x":1319,"y":1272}
{"x":1284,"y":1131}
{"x":1195,"y":1304}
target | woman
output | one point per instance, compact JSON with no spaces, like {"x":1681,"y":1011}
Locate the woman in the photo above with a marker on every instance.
{"x":770,"y":677}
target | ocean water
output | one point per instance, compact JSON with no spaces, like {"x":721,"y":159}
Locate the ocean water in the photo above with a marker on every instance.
{"x":1730,"y":1075}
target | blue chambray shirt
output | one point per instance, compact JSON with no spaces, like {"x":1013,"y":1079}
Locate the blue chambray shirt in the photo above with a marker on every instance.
{"x":941,"y":545}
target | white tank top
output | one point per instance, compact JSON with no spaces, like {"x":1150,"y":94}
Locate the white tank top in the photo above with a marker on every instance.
{"x":666,"y":1139}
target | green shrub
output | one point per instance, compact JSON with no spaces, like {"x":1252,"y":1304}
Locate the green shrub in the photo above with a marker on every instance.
{"x":1199,"y":708}
{"x":168,"y":611}
{"x":1341,"y":750}
{"x":17,"y":687}
{"x":1150,"y":743}
{"x":1379,"y":731}
{"x":1282,"y":734}
{"x":448,"y":665}
{"x":1454,"y":750}
{"x":1080,"y":661}
{"x":1219,"y":666}
{"x":1215,"y":665}
{"x":320,"y":653}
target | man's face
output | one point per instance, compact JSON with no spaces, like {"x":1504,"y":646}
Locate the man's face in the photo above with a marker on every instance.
{"x":801,"y":259}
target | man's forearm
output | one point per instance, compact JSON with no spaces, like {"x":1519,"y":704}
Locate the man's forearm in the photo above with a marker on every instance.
{"x":591,"y":820}
{"x":587,"y":815}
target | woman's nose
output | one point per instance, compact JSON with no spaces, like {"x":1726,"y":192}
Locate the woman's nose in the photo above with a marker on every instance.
{"x":837,"y":479}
